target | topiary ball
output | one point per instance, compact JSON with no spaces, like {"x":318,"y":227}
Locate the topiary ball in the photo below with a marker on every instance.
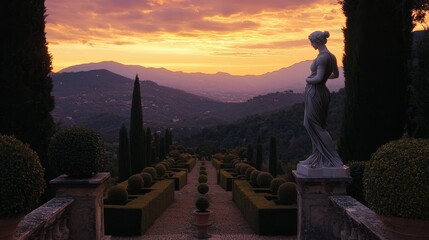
{"x":202,"y":179}
{"x":166,"y":165}
{"x":77,"y":152}
{"x":135,"y":183}
{"x":21,"y":177}
{"x":243,"y":168}
{"x":287,"y":193}
{"x":264,"y":179}
{"x":202,"y":203}
{"x":151,"y":171}
{"x":237,"y":167}
{"x":147,"y":179}
{"x":254,"y":178}
{"x":203,"y":168}
{"x":203,"y":188}
{"x":275,"y":184}
{"x":117,"y":196}
{"x":203,"y":172}
{"x":160,"y":170}
{"x":396,"y":181}
{"x":249,"y":172}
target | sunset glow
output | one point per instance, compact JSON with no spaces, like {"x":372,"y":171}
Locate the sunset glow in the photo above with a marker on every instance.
{"x":209,"y":36}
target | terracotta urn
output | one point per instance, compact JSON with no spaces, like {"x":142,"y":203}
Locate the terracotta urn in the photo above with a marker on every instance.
{"x":202,"y":222}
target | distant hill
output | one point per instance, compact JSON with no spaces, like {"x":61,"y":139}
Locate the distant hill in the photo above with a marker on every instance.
{"x":219,"y":86}
{"x":102,"y":100}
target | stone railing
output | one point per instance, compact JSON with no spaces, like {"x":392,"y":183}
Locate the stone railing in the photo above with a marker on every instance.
{"x":49,"y":221}
{"x":355,"y":221}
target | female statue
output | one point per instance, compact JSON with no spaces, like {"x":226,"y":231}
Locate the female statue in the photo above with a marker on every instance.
{"x":317,"y":99}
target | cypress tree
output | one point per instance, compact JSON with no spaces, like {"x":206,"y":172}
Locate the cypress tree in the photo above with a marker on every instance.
{"x":258,"y":164}
{"x":377,"y":45}
{"x":249,"y":153}
{"x":148,"y":141}
{"x":162,"y":148}
{"x":25,"y":87}
{"x":273,"y":157}
{"x":124,"y":155}
{"x":136,"y":130}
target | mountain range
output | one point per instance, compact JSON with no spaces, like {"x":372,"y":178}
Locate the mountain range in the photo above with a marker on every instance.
{"x":101,"y":99}
{"x":220,"y":86}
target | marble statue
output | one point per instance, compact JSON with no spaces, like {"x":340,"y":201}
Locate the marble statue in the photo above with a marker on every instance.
{"x":317,"y":99}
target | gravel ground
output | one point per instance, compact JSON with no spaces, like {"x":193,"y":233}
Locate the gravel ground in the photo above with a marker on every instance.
{"x":227,"y":221}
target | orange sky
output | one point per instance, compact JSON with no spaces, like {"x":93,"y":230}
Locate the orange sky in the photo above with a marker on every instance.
{"x":233,"y":36}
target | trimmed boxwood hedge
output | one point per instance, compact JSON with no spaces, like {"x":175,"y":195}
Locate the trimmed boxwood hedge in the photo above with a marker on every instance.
{"x":225,"y":179}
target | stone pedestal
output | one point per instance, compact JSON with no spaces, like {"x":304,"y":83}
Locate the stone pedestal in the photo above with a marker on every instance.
{"x":86,"y":220}
{"x":315,"y":217}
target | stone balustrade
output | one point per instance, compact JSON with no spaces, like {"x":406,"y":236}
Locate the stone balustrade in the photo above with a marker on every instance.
{"x":47,"y":222}
{"x":355,"y":221}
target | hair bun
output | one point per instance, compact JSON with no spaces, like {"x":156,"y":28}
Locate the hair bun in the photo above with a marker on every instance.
{"x":326,"y":34}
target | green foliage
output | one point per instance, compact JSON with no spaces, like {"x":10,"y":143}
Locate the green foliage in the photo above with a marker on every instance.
{"x":203,"y":188}
{"x":202,"y":179}
{"x":254,"y":177}
{"x":249,"y":153}
{"x":273,"y":157}
{"x":203,"y":172}
{"x":243,"y":168}
{"x":117,"y":195}
{"x":275,"y":184}
{"x":21,"y":177}
{"x":147,"y":179}
{"x":124,"y":155}
{"x":78,"y":152}
{"x":355,"y":188}
{"x":287,"y":193}
{"x":135,"y":183}
{"x":396,"y":179}
{"x":259,"y":153}
{"x":136,"y":131}
{"x":160,"y":170}
{"x":377,"y":78}
{"x":151,"y":171}
{"x":264,"y":179}
{"x":249,"y":172}
{"x":202,"y":203}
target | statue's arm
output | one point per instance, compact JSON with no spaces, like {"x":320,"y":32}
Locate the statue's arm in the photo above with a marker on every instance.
{"x":318,"y":77}
{"x":335,"y":72}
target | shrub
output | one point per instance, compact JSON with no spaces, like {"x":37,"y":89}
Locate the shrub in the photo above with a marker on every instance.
{"x":21,"y":177}
{"x":203,"y":168}
{"x":147,"y":179}
{"x":202,"y":203}
{"x":249,"y":172}
{"x":203,"y":188}
{"x":275,"y":184}
{"x":396,"y":181}
{"x":151,"y":171}
{"x":135,"y":183}
{"x":77,"y":152}
{"x":237,"y":167}
{"x":287,"y":193}
{"x":202,"y":179}
{"x":243,"y":168}
{"x":203,"y":172}
{"x":355,"y":188}
{"x":117,"y":196}
{"x":263,"y":179}
{"x":160,"y":170}
{"x":165,"y":164}
{"x":254,"y":178}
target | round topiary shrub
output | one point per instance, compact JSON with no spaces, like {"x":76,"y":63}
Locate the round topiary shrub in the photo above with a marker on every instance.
{"x":275,"y":184}
{"x":160,"y":170}
{"x":117,"y":196}
{"x":249,"y":172}
{"x":202,"y":203}
{"x":202,"y":179}
{"x":203,"y":188}
{"x":396,"y":181}
{"x":203,"y":168}
{"x":203,"y":172}
{"x":166,"y":165}
{"x":254,"y":178}
{"x":243,"y":168}
{"x":237,"y":167}
{"x":151,"y":171}
{"x":21,"y":177}
{"x":287,"y":193}
{"x":77,"y":152}
{"x":264,"y":179}
{"x":135,"y":183}
{"x":147,"y":179}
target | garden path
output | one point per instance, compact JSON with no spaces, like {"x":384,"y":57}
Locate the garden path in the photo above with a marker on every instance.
{"x":175,"y":223}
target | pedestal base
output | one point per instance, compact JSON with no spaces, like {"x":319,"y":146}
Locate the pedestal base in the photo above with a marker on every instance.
{"x":331,"y":172}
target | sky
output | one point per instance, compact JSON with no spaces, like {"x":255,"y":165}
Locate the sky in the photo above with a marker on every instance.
{"x":239,"y":37}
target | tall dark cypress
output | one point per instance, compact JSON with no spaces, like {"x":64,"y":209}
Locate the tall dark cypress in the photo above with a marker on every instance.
{"x":250,"y":153}
{"x":377,"y":47}
{"x":25,"y":86}
{"x":258,"y":164}
{"x":273,"y":157}
{"x":148,"y":141}
{"x":124,"y":167}
{"x":136,"y":130}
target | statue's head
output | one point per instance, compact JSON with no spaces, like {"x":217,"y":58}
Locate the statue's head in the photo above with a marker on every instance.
{"x":319,"y":37}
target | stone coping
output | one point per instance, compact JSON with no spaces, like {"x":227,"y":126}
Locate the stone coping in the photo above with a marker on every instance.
{"x":96,"y":180}
{"x":302,"y":178}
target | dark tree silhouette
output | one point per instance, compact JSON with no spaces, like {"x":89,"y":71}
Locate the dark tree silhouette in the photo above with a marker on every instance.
{"x":273,"y":157}
{"x":136,"y":130}
{"x":124,"y":167}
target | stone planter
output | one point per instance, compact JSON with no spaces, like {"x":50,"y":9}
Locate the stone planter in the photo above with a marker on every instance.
{"x":8,"y":227}
{"x":405,"y":229}
{"x":202,"y":223}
